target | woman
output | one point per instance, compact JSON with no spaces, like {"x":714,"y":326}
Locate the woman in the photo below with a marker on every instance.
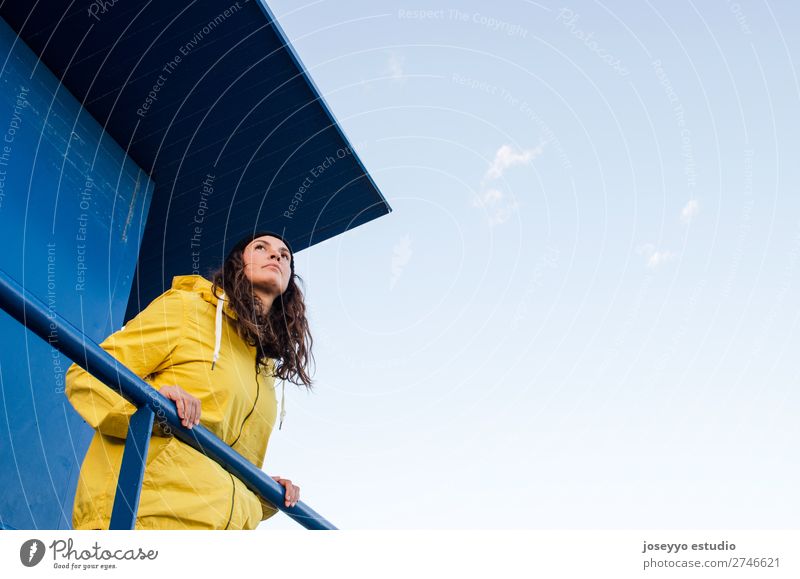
{"x":214,"y":349}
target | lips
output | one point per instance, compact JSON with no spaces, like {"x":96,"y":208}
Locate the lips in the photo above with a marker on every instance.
{"x":273,"y":266}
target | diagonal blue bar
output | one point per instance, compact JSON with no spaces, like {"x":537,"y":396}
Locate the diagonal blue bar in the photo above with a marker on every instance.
{"x":31,"y":312}
{"x":131,"y":473}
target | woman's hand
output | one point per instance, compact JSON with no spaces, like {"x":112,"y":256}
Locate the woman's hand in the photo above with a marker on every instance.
{"x":292,"y":492}
{"x":188,"y":405}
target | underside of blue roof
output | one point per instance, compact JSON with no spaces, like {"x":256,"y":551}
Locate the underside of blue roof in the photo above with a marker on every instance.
{"x":211,"y":101}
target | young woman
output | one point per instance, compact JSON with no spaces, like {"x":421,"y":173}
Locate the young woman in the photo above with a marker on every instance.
{"x":215,"y":350}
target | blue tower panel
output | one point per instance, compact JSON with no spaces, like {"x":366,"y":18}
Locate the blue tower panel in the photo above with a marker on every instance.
{"x":210,"y":99}
{"x":72,"y":211}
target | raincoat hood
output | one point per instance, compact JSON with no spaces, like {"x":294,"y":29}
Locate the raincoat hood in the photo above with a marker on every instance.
{"x":205,"y":289}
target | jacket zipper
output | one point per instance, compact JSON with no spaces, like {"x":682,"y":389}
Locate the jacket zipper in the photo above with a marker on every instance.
{"x":241,"y":430}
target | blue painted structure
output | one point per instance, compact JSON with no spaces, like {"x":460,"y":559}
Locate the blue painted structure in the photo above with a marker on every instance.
{"x":71,"y":215}
{"x":196,"y":123}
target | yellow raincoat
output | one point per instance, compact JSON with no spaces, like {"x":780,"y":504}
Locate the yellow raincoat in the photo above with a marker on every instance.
{"x":174,"y":341}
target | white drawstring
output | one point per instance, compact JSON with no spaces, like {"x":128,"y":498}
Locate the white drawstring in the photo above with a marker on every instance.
{"x":218,"y":343}
{"x":283,"y":406}
{"x":218,"y":330}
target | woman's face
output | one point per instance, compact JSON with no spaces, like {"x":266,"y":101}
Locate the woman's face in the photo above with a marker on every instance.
{"x":266,"y":265}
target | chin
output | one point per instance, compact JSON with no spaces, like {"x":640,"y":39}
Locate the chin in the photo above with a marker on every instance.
{"x":272,"y":283}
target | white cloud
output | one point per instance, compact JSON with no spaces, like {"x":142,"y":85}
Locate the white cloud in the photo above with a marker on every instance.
{"x":659,"y":257}
{"x":498,"y":209}
{"x":401,"y":255}
{"x":654,"y":257}
{"x":501,"y":214}
{"x":690,"y":210}
{"x":497,"y":206}
{"x":507,"y":157}
{"x":487,"y":197}
{"x":395,"y":66}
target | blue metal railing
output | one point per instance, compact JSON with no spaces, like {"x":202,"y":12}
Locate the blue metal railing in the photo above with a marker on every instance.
{"x":34,"y":315}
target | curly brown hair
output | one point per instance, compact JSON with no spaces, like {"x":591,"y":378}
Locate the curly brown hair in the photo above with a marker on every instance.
{"x":282,"y":334}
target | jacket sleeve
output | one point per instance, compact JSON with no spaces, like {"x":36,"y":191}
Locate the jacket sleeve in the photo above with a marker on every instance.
{"x":267,"y":510}
{"x":145,"y":346}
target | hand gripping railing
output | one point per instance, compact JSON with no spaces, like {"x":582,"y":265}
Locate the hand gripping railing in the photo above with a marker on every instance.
{"x":34,"y":315}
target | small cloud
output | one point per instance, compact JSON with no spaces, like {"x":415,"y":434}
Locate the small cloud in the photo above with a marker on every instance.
{"x":498,"y":209}
{"x":501,"y":214}
{"x":690,"y":210}
{"x":401,"y":255}
{"x":654,"y":258}
{"x":395,"y":67}
{"x":497,"y":206}
{"x":487,"y":197}
{"x":659,"y":257}
{"x":507,"y":157}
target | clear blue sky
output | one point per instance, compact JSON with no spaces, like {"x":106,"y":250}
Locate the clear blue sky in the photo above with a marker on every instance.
{"x":583,"y":310}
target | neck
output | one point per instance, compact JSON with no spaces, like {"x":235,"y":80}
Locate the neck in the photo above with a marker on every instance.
{"x":265,"y":300}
